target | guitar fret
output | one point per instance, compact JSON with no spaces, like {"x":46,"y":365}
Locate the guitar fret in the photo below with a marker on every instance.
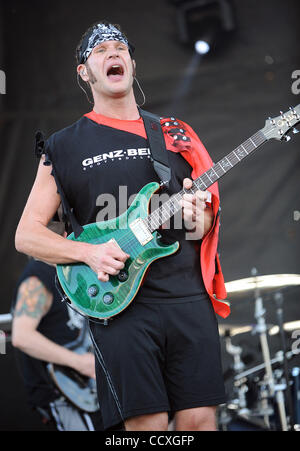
{"x":172,"y":208}
{"x":214,"y":171}
{"x":240,"y":151}
{"x":244,"y":149}
{"x":162,"y":214}
{"x":153,"y":221}
{"x":217,"y":169}
{"x":229,"y":162}
{"x":209,"y":177}
{"x":220,"y":165}
{"x":175,"y":199}
{"x":236,"y":156}
{"x":199,"y":184}
{"x":203,"y":183}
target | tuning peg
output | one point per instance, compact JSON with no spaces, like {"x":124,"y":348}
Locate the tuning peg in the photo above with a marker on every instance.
{"x":294,"y":112}
{"x":295,"y":131}
{"x":286,"y":138}
{"x":271,"y":120}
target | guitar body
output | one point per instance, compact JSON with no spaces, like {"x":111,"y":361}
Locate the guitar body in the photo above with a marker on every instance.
{"x":78,"y":389}
{"x":103,"y":300}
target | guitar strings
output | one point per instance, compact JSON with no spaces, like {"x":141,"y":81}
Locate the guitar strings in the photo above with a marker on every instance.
{"x":128,"y":241}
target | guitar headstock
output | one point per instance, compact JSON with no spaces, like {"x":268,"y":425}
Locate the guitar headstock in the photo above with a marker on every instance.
{"x":279,"y":127}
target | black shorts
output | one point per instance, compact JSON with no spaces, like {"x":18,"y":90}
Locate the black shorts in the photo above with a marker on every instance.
{"x":159,"y":357}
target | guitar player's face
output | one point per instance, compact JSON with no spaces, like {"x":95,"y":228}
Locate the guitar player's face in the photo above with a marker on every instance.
{"x":110,"y":69}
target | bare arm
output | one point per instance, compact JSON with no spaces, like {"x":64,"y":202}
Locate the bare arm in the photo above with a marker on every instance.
{"x":33,"y":238}
{"x":33,"y":303}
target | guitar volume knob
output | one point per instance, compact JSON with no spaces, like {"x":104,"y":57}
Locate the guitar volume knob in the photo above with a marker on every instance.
{"x":93,"y":291}
{"x":108,"y":298}
{"x":122,"y":276}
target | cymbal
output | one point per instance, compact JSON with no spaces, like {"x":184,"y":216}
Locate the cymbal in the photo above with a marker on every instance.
{"x":241,"y":298}
{"x":238,"y":329}
{"x":233,"y":329}
{"x":265,"y":284}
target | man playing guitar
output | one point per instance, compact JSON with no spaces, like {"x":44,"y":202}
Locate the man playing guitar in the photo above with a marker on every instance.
{"x":162,"y":353}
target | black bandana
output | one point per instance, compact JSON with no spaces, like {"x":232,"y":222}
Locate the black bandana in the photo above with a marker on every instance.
{"x":99,"y":34}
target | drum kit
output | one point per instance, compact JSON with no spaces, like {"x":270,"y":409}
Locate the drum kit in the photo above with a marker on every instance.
{"x":263,"y":389}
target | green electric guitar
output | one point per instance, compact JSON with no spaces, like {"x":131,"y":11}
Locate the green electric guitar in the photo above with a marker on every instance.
{"x":135,"y":232}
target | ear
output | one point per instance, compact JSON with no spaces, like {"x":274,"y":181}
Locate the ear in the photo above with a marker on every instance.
{"x":81,"y":70}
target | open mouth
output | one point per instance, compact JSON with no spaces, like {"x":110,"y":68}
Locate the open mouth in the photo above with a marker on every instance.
{"x":115,"y":72}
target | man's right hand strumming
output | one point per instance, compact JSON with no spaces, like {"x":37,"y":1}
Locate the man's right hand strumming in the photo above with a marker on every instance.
{"x":106,"y":259}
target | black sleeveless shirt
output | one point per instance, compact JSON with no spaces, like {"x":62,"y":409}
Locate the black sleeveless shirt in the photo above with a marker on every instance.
{"x":59,"y":325}
{"x":95,"y":164}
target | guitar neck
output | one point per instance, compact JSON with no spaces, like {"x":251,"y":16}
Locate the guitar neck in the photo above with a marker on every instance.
{"x":218,"y":170}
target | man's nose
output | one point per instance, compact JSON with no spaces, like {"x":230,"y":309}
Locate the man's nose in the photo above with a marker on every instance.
{"x":113,"y":53}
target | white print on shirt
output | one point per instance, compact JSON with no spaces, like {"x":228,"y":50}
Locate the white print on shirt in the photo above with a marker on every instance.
{"x":116,"y":155}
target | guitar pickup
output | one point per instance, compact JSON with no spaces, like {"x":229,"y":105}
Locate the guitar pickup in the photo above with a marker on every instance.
{"x":141,"y":231}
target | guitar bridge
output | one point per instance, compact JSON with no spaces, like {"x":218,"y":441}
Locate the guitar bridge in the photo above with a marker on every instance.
{"x":141,"y":231}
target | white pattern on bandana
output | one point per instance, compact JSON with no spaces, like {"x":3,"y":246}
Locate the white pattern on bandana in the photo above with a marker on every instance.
{"x":102,"y":33}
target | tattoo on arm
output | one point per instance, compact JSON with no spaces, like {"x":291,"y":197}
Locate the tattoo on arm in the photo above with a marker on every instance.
{"x":33,"y":299}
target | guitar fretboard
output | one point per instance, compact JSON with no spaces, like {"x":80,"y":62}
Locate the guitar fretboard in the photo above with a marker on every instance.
{"x":172,"y":206}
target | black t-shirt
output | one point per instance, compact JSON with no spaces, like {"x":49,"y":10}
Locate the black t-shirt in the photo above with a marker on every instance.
{"x":92,"y":162}
{"x":59,"y":325}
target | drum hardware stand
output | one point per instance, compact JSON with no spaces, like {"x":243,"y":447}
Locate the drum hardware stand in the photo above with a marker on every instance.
{"x":279,"y":394}
{"x":277,"y":359}
{"x":265,"y":409}
{"x":274,"y":390}
{"x":275,"y":385}
{"x":296,"y":388}
{"x":237,"y":406}
{"x":238,"y":366}
{"x":278,"y":297}
{"x":261,"y":329}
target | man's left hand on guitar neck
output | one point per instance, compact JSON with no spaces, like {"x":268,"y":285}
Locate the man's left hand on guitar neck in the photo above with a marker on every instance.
{"x":197,"y":212}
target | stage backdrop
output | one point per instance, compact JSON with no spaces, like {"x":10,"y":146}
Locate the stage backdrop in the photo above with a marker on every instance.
{"x":226,"y":99}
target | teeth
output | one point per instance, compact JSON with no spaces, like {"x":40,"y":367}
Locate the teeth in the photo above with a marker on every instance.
{"x":117,"y":69}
